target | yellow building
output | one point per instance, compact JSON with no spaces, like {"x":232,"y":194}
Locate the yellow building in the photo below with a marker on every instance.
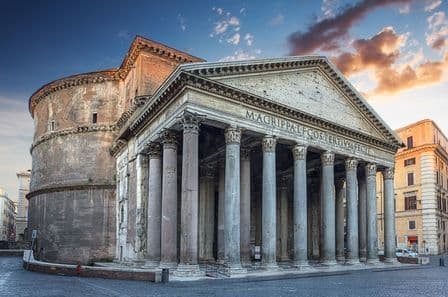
{"x":421,"y":190}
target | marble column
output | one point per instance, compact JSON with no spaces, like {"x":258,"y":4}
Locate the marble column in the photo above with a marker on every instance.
{"x":232,"y":203}
{"x":245,"y":206}
{"x":328,"y":256}
{"x":154,"y":205}
{"x":362,"y":217}
{"x":221,"y":191}
{"x":315,"y":221}
{"x":300,"y":206}
{"x":340,"y":220}
{"x":269,"y":206}
{"x":389,"y":216}
{"x":206,"y":212}
{"x":189,"y":198}
{"x":371,"y":219}
{"x":351,"y":188}
{"x":283,"y":218}
{"x":169,"y":200}
{"x":140,"y":219}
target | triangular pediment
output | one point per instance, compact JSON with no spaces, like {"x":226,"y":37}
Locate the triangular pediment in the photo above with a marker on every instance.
{"x":307,"y":90}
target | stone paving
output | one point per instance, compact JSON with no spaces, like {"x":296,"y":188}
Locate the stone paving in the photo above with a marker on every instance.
{"x":427,"y":280}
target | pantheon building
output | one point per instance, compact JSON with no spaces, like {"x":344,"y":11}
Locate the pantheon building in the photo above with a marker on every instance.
{"x":180,"y":162}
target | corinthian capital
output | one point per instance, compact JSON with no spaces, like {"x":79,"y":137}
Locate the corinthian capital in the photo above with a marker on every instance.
{"x":232,"y":135}
{"x":190,"y":122}
{"x":154,"y":150}
{"x":370,"y":169}
{"x":169,"y":139}
{"x":299,"y":152}
{"x":351,"y":164}
{"x":388,"y":173}
{"x":327,"y":158}
{"x":269,"y":142}
{"x":245,"y":153}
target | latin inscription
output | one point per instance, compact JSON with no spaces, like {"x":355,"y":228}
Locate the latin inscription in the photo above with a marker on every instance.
{"x":310,"y":134}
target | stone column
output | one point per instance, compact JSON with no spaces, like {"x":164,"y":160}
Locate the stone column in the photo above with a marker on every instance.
{"x":372,"y":242}
{"x":283,"y":219}
{"x":328,"y":256}
{"x":232,"y":202}
{"x":389,"y":216}
{"x":351,"y":186}
{"x":169,"y":200}
{"x":154,"y":205}
{"x":206,"y":213}
{"x":221,"y":190}
{"x":362,"y":218}
{"x":340,"y":218}
{"x":300,"y":207}
{"x":140,"y":195}
{"x":269,"y":207}
{"x":245,"y":206}
{"x":190,"y":200}
{"x":315,"y":221}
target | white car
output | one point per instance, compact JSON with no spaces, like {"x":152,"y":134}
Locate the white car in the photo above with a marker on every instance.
{"x":405,"y":253}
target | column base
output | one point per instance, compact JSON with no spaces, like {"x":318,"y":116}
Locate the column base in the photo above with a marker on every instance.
{"x":391,"y":260}
{"x":151,"y":264}
{"x":188,"y":270}
{"x":271,"y":266}
{"x":329,"y":262}
{"x":169,"y":265}
{"x":373,"y":261}
{"x":302,"y":265}
{"x":284,"y":258}
{"x":352,"y":262}
{"x":363,"y":259}
{"x":232,"y":269}
{"x":340,"y":259}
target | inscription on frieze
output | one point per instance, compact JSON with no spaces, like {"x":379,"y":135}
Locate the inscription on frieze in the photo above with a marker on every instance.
{"x":312,"y":135}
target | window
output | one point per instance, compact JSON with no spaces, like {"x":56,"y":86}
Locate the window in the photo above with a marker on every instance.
{"x":439,"y":202}
{"x":410,"y":178}
{"x":410,"y":142}
{"x":411,"y":225}
{"x":52,"y":125}
{"x":122,"y":214}
{"x":94,"y":117}
{"x":410,"y":203}
{"x":444,"y":205}
{"x":408,"y":162}
{"x":437,"y":177}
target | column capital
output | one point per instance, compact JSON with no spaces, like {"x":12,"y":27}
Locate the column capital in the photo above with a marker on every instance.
{"x":232,"y":135}
{"x":388,"y":173}
{"x":340,"y":183}
{"x":245,"y":153}
{"x":208,"y":170}
{"x":190,"y":122}
{"x":370,"y":169}
{"x":283,"y":184}
{"x":351,"y":164}
{"x":268,"y":143}
{"x":299,"y":152}
{"x":169,"y":139}
{"x":327,"y":158}
{"x":154,"y":150}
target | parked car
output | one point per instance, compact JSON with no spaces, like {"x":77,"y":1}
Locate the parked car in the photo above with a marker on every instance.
{"x":405,"y":253}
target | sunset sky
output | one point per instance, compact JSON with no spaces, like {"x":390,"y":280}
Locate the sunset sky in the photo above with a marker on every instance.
{"x":393,"y":51}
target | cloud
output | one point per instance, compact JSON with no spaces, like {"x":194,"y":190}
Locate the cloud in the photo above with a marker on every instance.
{"x":405,"y":9}
{"x":328,"y":7}
{"x":327,"y":33}
{"x":277,"y":20}
{"x":249,"y":38}
{"x":381,"y":55}
{"x":239,"y":55}
{"x":123,"y":34}
{"x":235,"y":39}
{"x":182,"y":22}
{"x":432,"y":4}
{"x":243,"y":11}
{"x":226,"y":22}
{"x":437,"y":34}
{"x":16,"y":135}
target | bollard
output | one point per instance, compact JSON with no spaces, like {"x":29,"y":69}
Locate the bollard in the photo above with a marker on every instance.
{"x":165,"y":275}
{"x":441,"y":262}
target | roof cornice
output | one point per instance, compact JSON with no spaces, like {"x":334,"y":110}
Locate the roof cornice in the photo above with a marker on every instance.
{"x":138,"y":45}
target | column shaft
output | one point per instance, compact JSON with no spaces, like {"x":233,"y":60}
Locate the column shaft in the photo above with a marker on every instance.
{"x":140,"y":195}
{"x":154,"y":205}
{"x":206,"y":213}
{"x":389,"y":216}
{"x":169,"y":201}
{"x":221,"y":191}
{"x":340,"y":220}
{"x":283,"y":189}
{"x":245,"y":206}
{"x":300,"y":207}
{"x":269,"y":207}
{"x":362,"y":218}
{"x":328,"y":256}
{"x":351,"y":166}
{"x":372,"y":242}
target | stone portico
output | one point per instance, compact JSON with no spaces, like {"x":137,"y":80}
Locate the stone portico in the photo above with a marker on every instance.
{"x":280,"y":154}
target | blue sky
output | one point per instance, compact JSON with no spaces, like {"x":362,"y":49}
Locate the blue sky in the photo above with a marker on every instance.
{"x":45,"y":40}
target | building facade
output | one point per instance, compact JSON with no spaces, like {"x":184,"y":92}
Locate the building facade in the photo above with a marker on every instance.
{"x":226,"y":157}
{"x":7,"y":217}
{"x":22,"y":204}
{"x":421,"y":189}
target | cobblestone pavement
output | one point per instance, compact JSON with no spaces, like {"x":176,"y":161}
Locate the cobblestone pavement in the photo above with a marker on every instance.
{"x":428,"y":281}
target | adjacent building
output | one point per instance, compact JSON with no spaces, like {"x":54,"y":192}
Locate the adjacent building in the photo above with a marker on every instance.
{"x":421,"y":189}
{"x":7,"y":217}
{"x":22,"y":204}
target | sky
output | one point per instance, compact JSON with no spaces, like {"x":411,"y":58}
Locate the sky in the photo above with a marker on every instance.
{"x":393,"y":51}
